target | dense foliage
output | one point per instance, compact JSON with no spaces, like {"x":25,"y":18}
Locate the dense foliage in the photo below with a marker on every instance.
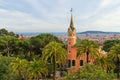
{"x":88,"y":47}
{"x":56,"y":54}
{"x":40,"y":41}
{"x":8,"y":45}
{"x":91,"y":72}
{"x":115,"y":56}
{"x":4,"y":32}
{"x":109,"y":43}
{"x":42,"y":55}
{"x":5,"y":69}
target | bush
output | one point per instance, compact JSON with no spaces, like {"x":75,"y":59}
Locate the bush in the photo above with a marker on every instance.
{"x":91,"y":72}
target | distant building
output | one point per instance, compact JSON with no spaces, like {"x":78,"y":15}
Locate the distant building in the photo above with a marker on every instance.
{"x":20,"y":37}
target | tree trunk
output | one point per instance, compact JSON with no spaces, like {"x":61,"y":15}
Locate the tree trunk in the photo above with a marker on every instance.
{"x":87,"y":57}
{"x":20,"y":75}
{"x":37,"y":77}
{"x":54,"y":68}
{"x":117,"y":66}
{"x":8,"y":53}
{"x":30,"y":58}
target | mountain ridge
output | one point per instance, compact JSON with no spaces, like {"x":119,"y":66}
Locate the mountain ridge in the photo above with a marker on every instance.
{"x":97,"y":32}
{"x":57,"y":33}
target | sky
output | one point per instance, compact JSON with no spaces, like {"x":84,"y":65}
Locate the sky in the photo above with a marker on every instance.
{"x":54,"y":15}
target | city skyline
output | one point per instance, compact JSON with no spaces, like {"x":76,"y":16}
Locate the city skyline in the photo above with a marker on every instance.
{"x":54,"y":15}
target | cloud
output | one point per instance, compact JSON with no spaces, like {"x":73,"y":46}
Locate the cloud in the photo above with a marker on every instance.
{"x":107,"y":3}
{"x":105,"y":17}
{"x":112,"y":17}
{"x":54,"y":12}
{"x":105,"y":21}
{"x":37,"y":6}
{"x":54,"y":15}
{"x":19,"y":21}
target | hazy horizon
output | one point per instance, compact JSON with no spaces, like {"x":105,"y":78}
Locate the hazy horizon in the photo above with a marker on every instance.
{"x":57,"y":32}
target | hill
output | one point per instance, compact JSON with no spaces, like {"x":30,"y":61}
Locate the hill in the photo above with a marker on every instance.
{"x":98,"y":32}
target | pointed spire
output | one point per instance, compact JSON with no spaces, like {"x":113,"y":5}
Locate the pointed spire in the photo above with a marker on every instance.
{"x":71,"y":21}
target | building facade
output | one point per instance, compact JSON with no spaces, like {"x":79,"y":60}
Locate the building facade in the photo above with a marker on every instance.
{"x":73,"y":62}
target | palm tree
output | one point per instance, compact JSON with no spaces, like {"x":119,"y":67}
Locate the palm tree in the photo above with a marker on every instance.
{"x":105,"y":62}
{"x":115,"y":54}
{"x":88,"y":47}
{"x":56,"y":53}
{"x":20,"y":66}
{"x":36,"y":69}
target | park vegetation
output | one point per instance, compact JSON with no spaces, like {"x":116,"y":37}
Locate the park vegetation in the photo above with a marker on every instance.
{"x":41,"y":56}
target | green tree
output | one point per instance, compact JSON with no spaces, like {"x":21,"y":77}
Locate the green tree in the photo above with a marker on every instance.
{"x":56,"y":53}
{"x":7,"y":44}
{"x":88,"y":47}
{"x":109,"y":43}
{"x":115,"y":55}
{"x":20,"y":66}
{"x":104,"y":62}
{"x":24,"y":49}
{"x":91,"y":72}
{"x":40,"y":41}
{"x":3,"y":32}
{"x":11,"y":33}
{"x":25,"y":45}
{"x":5,"y":70}
{"x":37,"y":69}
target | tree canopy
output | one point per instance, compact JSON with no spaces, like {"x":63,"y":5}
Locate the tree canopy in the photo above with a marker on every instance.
{"x":56,"y":53}
{"x":91,"y":72}
{"x":115,"y":55}
{"x":4,"y":32}
{"x":109,"y":43}
{"x":40,"y":41}
{"x":88,"y":47}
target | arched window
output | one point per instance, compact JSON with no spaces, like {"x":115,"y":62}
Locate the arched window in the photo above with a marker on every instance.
{"x":73,"y":63}
{"x":81,"y":62}
{"x":69,"y":63}
{"x":69,"y":51}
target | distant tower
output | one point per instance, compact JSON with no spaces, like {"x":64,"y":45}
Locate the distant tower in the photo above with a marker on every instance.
{"x":71,"y":41}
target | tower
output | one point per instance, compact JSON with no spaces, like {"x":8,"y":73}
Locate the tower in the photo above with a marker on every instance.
{"x":71,"y":41}
{"x":74,"y":62}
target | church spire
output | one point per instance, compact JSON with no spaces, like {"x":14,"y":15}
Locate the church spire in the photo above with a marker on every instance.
{"x":71,"y":21}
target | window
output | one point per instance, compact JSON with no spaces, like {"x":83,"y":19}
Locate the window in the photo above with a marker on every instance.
{"x":81,"y":62}
{"x":69,"y":51}
{"x":69,"y":43}
{"x":69,"y":63}
{"x":73,"y":63}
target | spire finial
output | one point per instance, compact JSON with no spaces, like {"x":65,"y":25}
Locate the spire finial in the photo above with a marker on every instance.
{"x":71,"y":10}
{"x":71,"y":21}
